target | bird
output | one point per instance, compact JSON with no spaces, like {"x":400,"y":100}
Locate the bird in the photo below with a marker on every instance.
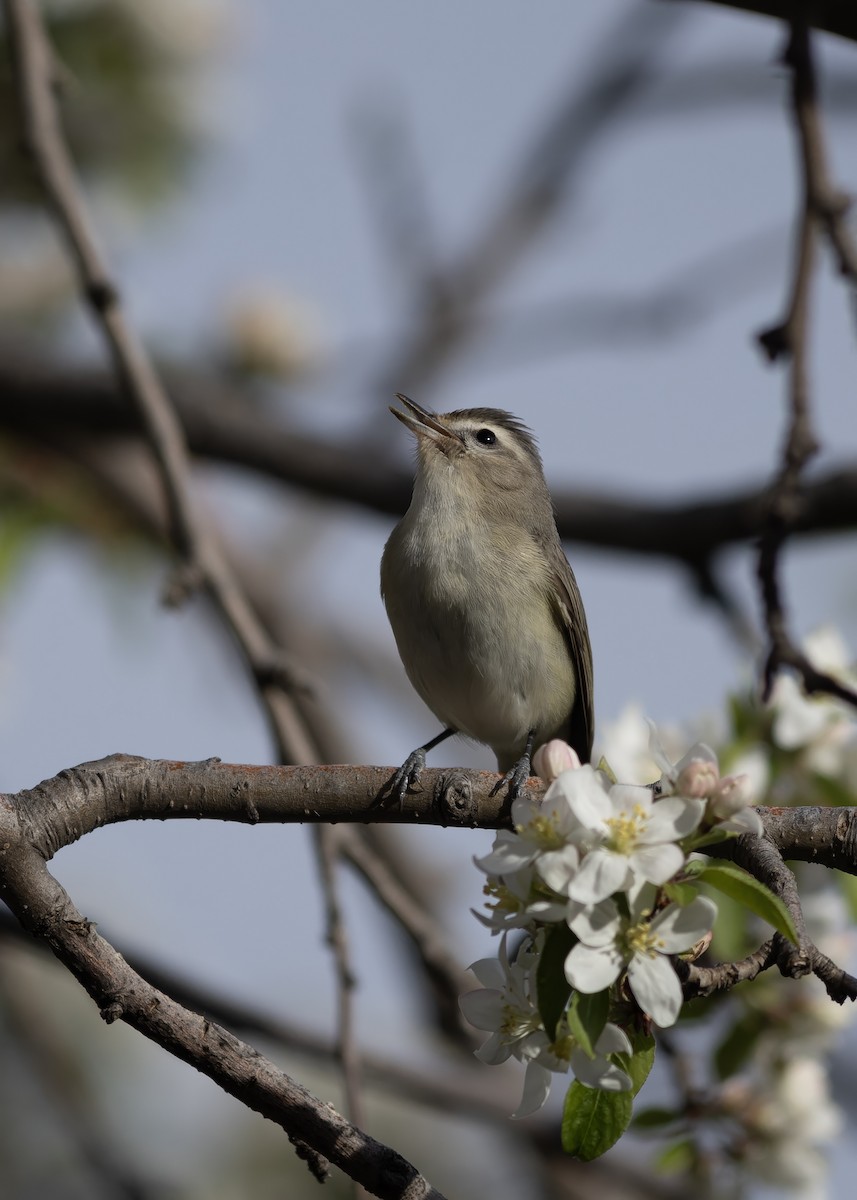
{"x":484,"y":607}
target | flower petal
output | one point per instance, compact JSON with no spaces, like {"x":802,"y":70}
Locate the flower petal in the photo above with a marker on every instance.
{"x":537,"y":1086}
{"x":613,"y":1040}
{"x":585,"y":796}
{"x":558,"y":867}
{"x":601,"y":873}
{"x":599,"y":1072}
{"x":510,"y":853}
{"x":673,"y":818}
{"x":494,"y":1051}
{"x":590,"y":970}
{"x":656,"y":987}
{"x":679,"y":928}
{"x":483,"y":1008}
{"x":746,"y":821}
{"x":630,"y":798}
{"x":657,"y":864}
{"x":598,"y":924}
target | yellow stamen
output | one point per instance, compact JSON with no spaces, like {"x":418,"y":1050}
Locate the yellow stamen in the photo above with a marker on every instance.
{"x":626,"y":829}
{"x":641,"y":940}
{"x":543,"y":830}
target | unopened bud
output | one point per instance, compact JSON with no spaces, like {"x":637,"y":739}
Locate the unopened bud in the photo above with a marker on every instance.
{"x":698,"y":779}
{"x":730,"y":795}
{"x":553,"y":758}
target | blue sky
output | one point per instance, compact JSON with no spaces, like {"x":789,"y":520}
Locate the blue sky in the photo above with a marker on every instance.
{"x":278,"y":198}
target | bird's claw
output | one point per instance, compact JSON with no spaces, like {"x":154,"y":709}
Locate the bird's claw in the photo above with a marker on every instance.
{"x":408,"y":775}
{"x":515,"y":778}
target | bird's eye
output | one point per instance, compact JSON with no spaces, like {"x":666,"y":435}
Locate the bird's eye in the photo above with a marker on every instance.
{"x":486,"y":437}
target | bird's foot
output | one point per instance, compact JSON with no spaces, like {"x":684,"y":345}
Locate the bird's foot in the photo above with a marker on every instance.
{"x":407,"y":776}
{"x":515,"y":778}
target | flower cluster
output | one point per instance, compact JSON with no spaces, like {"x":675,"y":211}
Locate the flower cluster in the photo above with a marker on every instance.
{"x":603,"y":862}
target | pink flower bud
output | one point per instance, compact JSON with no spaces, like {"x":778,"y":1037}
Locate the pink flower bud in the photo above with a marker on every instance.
{"x":553,"y":758}
{"x":731,"y":794}
{"x":698,"y":779}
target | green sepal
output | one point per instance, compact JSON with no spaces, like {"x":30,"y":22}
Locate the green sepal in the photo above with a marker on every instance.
{"x":680,"y":893}
{"x":605,"y":769}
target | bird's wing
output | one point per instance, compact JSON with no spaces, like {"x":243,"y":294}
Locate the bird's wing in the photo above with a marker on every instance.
{"x":581,"y":726}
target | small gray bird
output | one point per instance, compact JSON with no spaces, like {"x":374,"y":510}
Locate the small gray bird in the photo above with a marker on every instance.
{"x":484,"y":607}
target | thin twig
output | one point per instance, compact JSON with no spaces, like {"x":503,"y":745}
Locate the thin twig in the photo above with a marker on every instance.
{"x":790,"y":338}
{"x":325,"y":840}
{"x":440,"y":964}
{"x":202,"y":561}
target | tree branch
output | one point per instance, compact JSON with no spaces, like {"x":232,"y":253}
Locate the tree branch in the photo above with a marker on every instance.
{"x":53,"y":406}
{"x":44,"y":908}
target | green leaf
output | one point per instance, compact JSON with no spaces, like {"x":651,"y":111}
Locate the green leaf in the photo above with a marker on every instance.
{"x":731,"y":938}
{"x":593,"y":1120}
{"x":741,"y":886}
{"x":587,"y":1016}
{"x":552,"y":987}
{"x":737,"y":1044}
{"x":655,"y":1118}
{"x":642,"y":1060}
{"x":677,"y":1158}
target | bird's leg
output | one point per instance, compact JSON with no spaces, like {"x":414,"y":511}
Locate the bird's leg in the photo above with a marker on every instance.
{"x":519,"y":773}
{"x":409,"y":772}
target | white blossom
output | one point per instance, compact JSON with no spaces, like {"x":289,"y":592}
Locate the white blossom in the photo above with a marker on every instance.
{"x":505,"y":1006}
{"x":818,"y":726}
{"x":542,"y":835}
{"x":610,"y":944}
{"x":628,"y":839}
{"x":518,"y":900}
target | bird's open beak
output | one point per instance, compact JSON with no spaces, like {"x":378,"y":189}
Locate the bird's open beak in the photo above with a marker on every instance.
{"x":425,"y":424}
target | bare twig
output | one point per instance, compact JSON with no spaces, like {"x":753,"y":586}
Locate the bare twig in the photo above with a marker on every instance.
{"x":202,"y":563}
{"x":790,"y":337}
{"x":440,"y":964}
{"x":467,"y":1089}
{"x":326,"y":841}
{"x":542,"y":182}
{"x":703,"y":981}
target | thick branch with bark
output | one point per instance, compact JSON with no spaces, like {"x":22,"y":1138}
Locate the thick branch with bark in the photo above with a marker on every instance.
{"x":58,"y":406}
